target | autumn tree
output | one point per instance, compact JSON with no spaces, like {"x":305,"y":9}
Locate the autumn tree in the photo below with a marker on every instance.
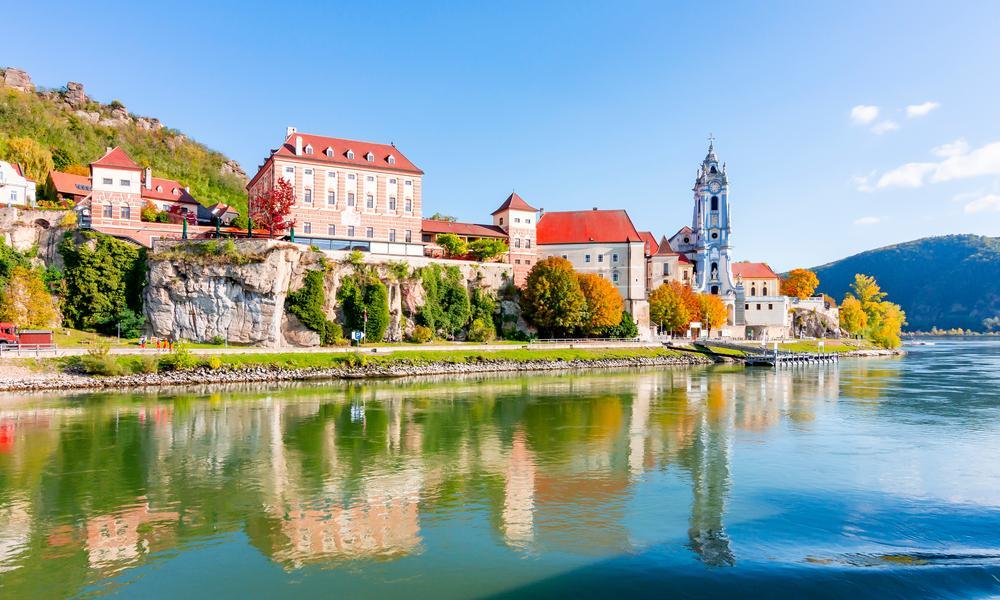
{"x":853,"y":319}
{"x":485,"y":249}
{"x":75,"y":169}
{"x":667,"y":309}
{"x":34,"y":158}
{"x":604,"y":303}
{"x":690,"y":299}
{"x":26,"y":302}
{"x":552,"y":298}
{"x":884,"y":319}
{"x":800,"y":283}
{"x":270,"y":211}
{"x":452,"y":244}
{"x":713,"y":312}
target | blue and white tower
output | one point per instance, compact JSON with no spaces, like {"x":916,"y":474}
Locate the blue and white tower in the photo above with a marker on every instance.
{"x":712,"y":227}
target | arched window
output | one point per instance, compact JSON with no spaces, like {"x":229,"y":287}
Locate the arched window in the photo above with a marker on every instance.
{"x":715,"y":290}
{"x":713,"y":169}
{"x":715,"y":203}
{"x":764,"y":293}
{"x":753,"y":290}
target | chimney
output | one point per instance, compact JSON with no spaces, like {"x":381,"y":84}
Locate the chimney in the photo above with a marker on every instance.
{"x":108,"y":149}
{"x":187,"y":189}
{"x":595,"y":208}
{"x":289,"y":132}
{"x":298,"y":145}
{"x":149,"y":178}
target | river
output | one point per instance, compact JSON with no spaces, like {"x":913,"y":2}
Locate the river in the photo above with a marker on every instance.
{"x":871,"y":478}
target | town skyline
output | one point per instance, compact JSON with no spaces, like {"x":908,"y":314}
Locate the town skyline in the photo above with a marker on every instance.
{"x":880,"y":135}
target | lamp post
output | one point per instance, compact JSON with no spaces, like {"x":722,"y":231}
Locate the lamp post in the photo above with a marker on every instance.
{"x":364,"y":327}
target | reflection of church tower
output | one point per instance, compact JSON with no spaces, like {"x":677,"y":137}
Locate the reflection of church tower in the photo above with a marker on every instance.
{"x":712,"y":228}
{"x":709,"y":466}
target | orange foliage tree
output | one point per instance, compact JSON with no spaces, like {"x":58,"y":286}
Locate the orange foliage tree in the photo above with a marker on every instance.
{"x":667,"y":309}
{"x":712,"y":311}
{"x":604,"y":303}
{"x":800,"y":283}
{"x":690,"y":299}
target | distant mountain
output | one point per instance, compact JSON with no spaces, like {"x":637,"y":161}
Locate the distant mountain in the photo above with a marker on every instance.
{"x":76,"y":130}
{"x":947,"y":281}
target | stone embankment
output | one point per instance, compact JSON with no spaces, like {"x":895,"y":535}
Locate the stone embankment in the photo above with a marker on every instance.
{"x":24,"y":381}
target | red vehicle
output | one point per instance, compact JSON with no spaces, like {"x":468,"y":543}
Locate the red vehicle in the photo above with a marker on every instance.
{"x":12,"y":336}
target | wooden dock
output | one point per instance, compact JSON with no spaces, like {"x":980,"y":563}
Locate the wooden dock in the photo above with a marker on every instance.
{"x":789,"y":359}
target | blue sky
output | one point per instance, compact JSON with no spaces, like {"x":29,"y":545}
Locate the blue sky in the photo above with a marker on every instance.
{"x":580,"y":104}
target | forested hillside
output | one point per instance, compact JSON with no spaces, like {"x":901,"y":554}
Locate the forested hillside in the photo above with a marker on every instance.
{"x":64,"y":129}
{"x":947,"y":281}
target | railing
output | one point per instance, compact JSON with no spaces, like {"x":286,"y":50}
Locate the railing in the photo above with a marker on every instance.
{"x":26,"y":349}
{"x":581,"y":340}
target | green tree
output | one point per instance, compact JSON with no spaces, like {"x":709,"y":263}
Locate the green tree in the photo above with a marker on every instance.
{"x":485,"y":249}
{"x":446,"y":307}
{"x":307,"y":302}
{"x":360,"y":296}
{"x":103,"y":276}
{"x":484,"y":306}
{"x":127,"y":322}
{"x":668,"y":310}
{"x":626,"y":328}
{"x":452,"y":244}
{"x":9,"y":260}
{"x":552,"y":298}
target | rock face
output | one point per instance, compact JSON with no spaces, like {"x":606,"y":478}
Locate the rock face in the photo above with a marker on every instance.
{"x":74,"y":95}
{"x":25,"y":229}
{"x":199,"y":297}
{"x":17,"y":79}
{"x":814,"y":324}
{"x":231,"y":167}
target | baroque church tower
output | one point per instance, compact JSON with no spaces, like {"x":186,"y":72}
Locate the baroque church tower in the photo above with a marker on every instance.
{"x":712,"y":229}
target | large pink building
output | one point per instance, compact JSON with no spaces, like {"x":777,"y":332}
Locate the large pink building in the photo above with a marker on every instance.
{"x":348,"y":194}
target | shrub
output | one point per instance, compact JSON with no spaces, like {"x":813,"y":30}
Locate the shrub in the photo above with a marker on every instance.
{"x":452,"y":244}
{"x":180,"y":359}
{"x":447,"y":307}
{"x":307,"y":302}
{"x":481,"y":331}
{"x":359,"y":293}
{"x":99,"y":361}
{"x":146,"y":364}
{"x":214,"y":362}
{"x":217,"y":340}
{"x":104,"y":276}
{"x":356,"y":359}
{"x":421,"y":334}
{"x":131,"y":324}
{"x":68,"y":220}
{"x":485,"y":249}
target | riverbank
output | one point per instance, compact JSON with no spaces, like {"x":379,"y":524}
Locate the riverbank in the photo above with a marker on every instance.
{"x":56,"y":374}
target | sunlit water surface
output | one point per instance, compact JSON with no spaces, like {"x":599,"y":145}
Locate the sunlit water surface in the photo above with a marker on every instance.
{"x":874,"y":478}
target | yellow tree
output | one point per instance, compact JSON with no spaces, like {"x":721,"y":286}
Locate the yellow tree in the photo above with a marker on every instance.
{"x":800,"y":283}
{"x":25,"y":302}
{"x":667,"y":309}
{"x":713,"y":311}
{"x":34,"y":157}
{"x":604,"y":303}
{"x":690,"y":299}
{"x":853,"y":318}
{"x":886,"y":330}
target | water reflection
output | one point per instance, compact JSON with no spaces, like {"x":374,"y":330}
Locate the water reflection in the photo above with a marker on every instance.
{"x":333,"y":475}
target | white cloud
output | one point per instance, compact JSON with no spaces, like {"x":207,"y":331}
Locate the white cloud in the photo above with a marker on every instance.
{"x":863,"y":183}
{"x":956,"y":148}
{"x":863,"y":115}
{"x":958,"y":163}
{"x":867,"y":221}
{"x":984,"y":203}
{"x":885,"y":127}
{"x":921,"y":110}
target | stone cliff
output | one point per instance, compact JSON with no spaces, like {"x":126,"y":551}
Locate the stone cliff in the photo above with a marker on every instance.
{"x":197,"y":291}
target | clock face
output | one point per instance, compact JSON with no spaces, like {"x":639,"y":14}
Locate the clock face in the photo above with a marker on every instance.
{"x":714,"y":186}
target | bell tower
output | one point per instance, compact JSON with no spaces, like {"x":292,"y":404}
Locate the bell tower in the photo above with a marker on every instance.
{"x":713,"y":228}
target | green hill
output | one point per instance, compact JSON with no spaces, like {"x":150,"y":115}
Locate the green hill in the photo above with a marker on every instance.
{"x":947,"y":281}
{"x":76,"y":130}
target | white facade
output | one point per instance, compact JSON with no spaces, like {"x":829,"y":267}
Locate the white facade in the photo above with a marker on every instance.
{"x":622,"y":263}
{"x":15,"y":189}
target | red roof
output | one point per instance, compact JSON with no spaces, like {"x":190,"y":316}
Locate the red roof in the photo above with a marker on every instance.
{"x":651,"y":246}
{"x":69,"y":184}
{"x":466,"y":229}
{"x":339,"y":148}
{"x":116,"y":159}
{"x":163,"y":190}
{"x":752,"y":270}
{"x":666,"y":250}
{"x":586,"y":226}
{"x":514,"y":202}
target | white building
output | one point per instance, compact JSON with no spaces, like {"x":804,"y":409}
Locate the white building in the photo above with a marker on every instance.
{"x":15,"y":188}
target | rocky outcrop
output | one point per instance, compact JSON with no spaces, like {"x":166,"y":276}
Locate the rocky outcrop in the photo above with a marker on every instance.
{"x":17,"y":79}
{"x":231,"y":167}
{"x":814,"y":324}
{"x":23,"y":230}
{"x":74,"y":95}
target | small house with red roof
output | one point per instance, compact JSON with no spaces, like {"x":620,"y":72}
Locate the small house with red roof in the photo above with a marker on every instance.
{"x":15,"y":188}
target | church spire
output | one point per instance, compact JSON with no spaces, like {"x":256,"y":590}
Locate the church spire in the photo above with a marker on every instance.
{"x":710,"y":157}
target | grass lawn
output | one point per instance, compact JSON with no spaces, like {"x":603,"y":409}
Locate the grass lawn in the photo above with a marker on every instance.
{"x":74,"y":338}
{"x":829,"y":346}
{"x":723,"y":351}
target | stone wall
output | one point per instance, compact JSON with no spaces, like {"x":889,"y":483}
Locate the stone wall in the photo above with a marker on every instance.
{"x":24,"y":229}
{"x":240,"y":297}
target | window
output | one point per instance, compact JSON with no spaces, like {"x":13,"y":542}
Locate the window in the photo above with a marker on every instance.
{"x":517,"y":261}
{"x":687,"y":240}
{"x":586,"y":258}
{"x":370,"y":157}
{"x":392,"y":181}
{"x":290,"y":174}
{"x":407,"y":236}
{"x":350,"y":231}
{"x":125,"y":182}
{"x":350,"y":198}
{"x":126,"y":212}
{"x":565,"y":257}
{"x":308,"y":199}
{"x":527,"y":262}
{"x":527,"y":243}
{"x":600,"y":258}
{"x":328,"y":152}
{"x":753,"y":290}
{"x":331,"y":230}
{"x":501,"y":220}
{"x":758,"y":307}
{"x":370,"y":201}
{"x":770,"y":307}
{"x":715,"y":235}
{"x":391,"y":159}
{"x":307,"y":227}
{"x":371,"y":178}
{"x":764,"y":291}
{"x":159,"y":188}
{"x":350,"y":154}
{"x":392,"y":203}
{"x":408,"y":182}
{"x":108,"y":212}
{"x":331,"y":175}
{"x":715,"y":203}
{"x":714,"y":170}
{"x":517,"y":242}
{"x":527,"y":221}
{"x":409,"y":205}
{"x":369,"y":232}
{"x":614,"y":277}
{"x":517,"y":219}
{"x":107,"y":181}
{"x":350,"y":176}
{"x":392,"y":235}
{"x":614,"y":257}
{"x":308,"y":172}
{"x":746,"y":307}
{"x":309,"y":149}
{"x":666,"y":269}
{"x":331,"y":198}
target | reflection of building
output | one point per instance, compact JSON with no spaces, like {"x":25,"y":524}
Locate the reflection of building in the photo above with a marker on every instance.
{"x":122,"y":537}
{"x":519,"y":494}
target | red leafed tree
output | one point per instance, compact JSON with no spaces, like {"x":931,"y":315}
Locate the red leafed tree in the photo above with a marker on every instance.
{"x":271,"y":210}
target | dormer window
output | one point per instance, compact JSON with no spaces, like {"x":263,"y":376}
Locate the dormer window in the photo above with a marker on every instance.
{"x":159,"y":188}
{"x":391,"y":159}
{"x":328,"y":152}
{"x":176,"y":192}
{"x":309,"y":149}
{"x":350,"y":154}
{"x":370,"y":157}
